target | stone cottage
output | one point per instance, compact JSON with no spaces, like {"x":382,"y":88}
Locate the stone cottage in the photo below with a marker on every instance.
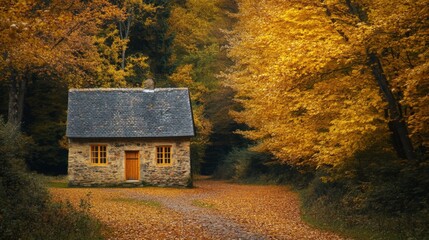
{"x":129,"y":137}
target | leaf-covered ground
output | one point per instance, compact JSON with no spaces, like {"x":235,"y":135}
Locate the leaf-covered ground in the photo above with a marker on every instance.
{"x":211,"y":210}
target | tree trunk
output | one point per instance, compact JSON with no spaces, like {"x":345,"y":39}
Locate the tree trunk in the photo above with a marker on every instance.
{"x":17,"y":89}
{"x":124,"y":33}
{"x":397,"y":124}
{"x":124,"y":49}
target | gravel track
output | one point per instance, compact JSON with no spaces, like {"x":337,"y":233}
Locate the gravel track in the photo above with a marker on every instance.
{"x":211,"y":210}
{"x":213,"y":222}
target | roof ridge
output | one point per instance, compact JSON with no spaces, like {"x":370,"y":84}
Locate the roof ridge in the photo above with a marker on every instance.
{"x":124,"y":89}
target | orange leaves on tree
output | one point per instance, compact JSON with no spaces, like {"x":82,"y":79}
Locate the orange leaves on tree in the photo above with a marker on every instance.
{"x":54,"y":37}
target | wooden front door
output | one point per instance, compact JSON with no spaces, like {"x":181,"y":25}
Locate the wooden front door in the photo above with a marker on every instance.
{"x":132,"y":165}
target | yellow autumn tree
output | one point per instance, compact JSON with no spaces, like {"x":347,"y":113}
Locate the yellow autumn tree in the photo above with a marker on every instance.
{"x":400,"y":33}
{"x":120,"y":67}
{"x":393,"y":35}
{"x":306,"y":75}
{"x":198,"y":28}
{"x":111,"y":50}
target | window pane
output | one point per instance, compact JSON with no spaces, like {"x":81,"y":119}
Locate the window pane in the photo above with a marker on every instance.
{"x":98,"y":154}
{"x":163,"y":154}
{"x":167,"y":155}
{"x":94,"y":156}
{"x":158,"y":155}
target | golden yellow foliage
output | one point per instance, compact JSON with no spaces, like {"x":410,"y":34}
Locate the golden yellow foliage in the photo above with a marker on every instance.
{"x":302,"y":75}
{"x":182,"y":78}
{"x":196,"y":23}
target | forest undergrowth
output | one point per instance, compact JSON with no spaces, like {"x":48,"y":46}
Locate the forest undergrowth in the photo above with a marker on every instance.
{"x":26,"y":208}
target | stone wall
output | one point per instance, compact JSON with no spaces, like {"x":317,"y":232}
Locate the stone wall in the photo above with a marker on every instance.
{"x":82,"y":172}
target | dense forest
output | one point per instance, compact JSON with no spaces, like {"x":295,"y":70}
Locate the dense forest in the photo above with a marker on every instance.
{"x":331,"y":96}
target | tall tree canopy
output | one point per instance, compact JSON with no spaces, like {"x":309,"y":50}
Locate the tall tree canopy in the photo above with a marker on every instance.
{"x":316,"y":78}
{"x":55,"y":38}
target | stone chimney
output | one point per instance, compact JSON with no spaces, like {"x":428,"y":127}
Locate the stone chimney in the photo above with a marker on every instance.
{"x":149,"y":84}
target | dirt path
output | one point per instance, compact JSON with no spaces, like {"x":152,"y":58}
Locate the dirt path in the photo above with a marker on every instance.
{"x":212,"y":210}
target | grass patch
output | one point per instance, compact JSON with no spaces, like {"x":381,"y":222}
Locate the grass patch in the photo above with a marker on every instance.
{"x":57,"y":185}
{"x":54,"y":181}
{"x":148,"y":203}
{"x":334,"y":223}
{"x":362,"y":227}
{"x":203,"y":204}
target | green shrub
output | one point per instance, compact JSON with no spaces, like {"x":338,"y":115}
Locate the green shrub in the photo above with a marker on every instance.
{"x":26,"y":210}
{"x":244,"y":165}
{"x":238,"y":164}
{"x":373,"y":192}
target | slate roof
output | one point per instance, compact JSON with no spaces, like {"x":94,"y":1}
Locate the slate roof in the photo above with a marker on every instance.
{"x":129,"y":113}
